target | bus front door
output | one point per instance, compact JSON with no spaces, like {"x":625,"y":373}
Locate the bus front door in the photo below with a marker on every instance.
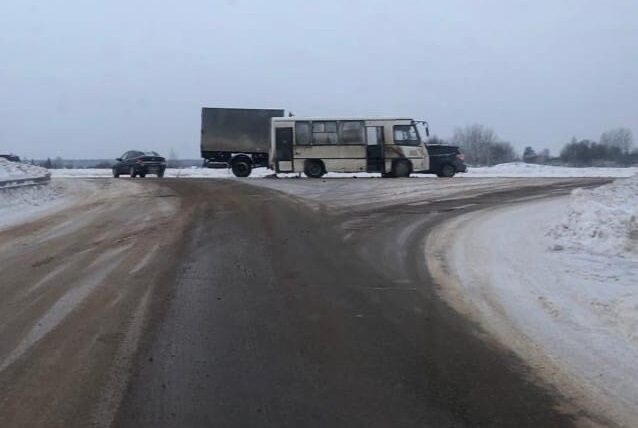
{"x":374,"y":150}
{"x":283,"y":143}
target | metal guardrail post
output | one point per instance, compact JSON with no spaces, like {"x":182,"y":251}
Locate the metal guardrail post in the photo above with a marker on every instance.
{"x":25,"y":182}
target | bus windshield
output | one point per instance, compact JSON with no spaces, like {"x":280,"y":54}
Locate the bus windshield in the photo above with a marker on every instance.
{"x":406,"y":135}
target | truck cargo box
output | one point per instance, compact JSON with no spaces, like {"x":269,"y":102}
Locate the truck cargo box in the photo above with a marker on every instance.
{"x":229,"y":131}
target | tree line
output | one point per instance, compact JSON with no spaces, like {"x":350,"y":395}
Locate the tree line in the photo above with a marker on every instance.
{"x":482,"y":147}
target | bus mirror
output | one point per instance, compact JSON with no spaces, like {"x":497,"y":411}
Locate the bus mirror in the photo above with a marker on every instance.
{"x":427,"y":131}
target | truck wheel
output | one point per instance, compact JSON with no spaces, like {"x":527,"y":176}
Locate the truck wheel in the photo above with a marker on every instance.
{"x":142,"y":175}
{"x":401,"y":169}
{"x":447,"y":171}
{"x":160,"y":174}
{"x":116,"y":174}
{"x":132,"y":172}
{"x":314,"y":169}
{"x":241,"y":168}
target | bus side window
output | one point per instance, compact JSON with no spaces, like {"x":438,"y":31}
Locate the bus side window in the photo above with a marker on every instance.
{"x":324,"y":133}
{"x":351,"y":132}
{"x":302,"y":133}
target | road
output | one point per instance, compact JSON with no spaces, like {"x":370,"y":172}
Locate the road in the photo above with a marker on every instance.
{"x":218,"y":303}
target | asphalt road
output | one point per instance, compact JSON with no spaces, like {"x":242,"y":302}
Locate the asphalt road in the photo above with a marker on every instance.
{"x":217,"y":303}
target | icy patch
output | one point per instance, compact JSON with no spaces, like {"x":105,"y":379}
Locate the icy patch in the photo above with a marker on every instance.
{"x":66,"y":304}
{"x":600,"y":221}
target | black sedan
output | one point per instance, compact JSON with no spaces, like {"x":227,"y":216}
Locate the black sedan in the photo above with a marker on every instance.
{"x":136,"y":163}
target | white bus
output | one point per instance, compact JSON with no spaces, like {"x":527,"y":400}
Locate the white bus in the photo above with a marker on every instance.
{"x":314,"y":146}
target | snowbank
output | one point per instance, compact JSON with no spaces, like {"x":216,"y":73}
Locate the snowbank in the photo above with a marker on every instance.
{"x":601,"y":221}
{"x":18,"y":171}
{"x":521,"y":169}
{"x":22,"y":203}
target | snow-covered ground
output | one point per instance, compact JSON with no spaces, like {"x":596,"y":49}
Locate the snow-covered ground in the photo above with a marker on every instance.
{"x":557,"y":282}
{"x":514,"y":169}
{"x":18,"y":171}
{"x":601,"y":221}
{"x":18,"y":204}
{"x":520,"y":169}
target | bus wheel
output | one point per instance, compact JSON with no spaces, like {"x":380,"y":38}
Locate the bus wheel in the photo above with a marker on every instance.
{"x":314,"y":169}
{"x":401,"y":169}
{"x":241,"y":168}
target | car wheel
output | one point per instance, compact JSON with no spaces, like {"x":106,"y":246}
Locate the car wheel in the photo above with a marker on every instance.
{"x":116,"y":174}
{"x":241,"y":168}
{"x":132,"y":172}
{"x":314,"y":169}
{"x":447,"y":171}
{"x":401,"y":169}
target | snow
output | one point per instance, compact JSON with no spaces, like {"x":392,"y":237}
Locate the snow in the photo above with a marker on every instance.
{"x":196,"y":172}
{"x":521,"y":169}
{"x":572,"y":314}
{"x":513,"y":169}
{"x":16,"y":170}
{"x":23,"y":204}
{"x":601,"y":221}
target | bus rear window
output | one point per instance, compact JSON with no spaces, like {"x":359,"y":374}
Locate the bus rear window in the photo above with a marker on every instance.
{"x":324,"y":133}
{"x":351,"y":132}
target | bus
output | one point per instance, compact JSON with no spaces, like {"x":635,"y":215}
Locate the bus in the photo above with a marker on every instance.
{"x":315,"y":146}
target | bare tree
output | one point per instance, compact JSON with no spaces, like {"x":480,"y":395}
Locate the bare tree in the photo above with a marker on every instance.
{"x":435,"y":139}
{"x":544,"y":156}
{"x":621,"y":138}
{"x":481,"y":145}
{"x":529,"y":155}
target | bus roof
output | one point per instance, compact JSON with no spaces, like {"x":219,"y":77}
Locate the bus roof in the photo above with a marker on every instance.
{"x":295,"y":118}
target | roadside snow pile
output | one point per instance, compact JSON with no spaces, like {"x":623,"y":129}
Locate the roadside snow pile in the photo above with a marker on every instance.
{"x":21,"y":203}
{"x":17,"y":171}
{"x":521,"y":169}
{"x":603,"y":220}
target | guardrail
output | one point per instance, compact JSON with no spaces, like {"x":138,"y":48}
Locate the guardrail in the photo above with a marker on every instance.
{"x":25,"y":182}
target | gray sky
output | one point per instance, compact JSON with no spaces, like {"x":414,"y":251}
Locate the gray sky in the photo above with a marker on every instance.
{"x":91,"y":79}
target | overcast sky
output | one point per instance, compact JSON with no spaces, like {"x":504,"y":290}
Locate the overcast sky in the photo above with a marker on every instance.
{"x":91,"y":79}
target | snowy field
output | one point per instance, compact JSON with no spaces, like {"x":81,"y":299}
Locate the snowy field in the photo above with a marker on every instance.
{"x":556,"y":281}
{"x":514,"y":170}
